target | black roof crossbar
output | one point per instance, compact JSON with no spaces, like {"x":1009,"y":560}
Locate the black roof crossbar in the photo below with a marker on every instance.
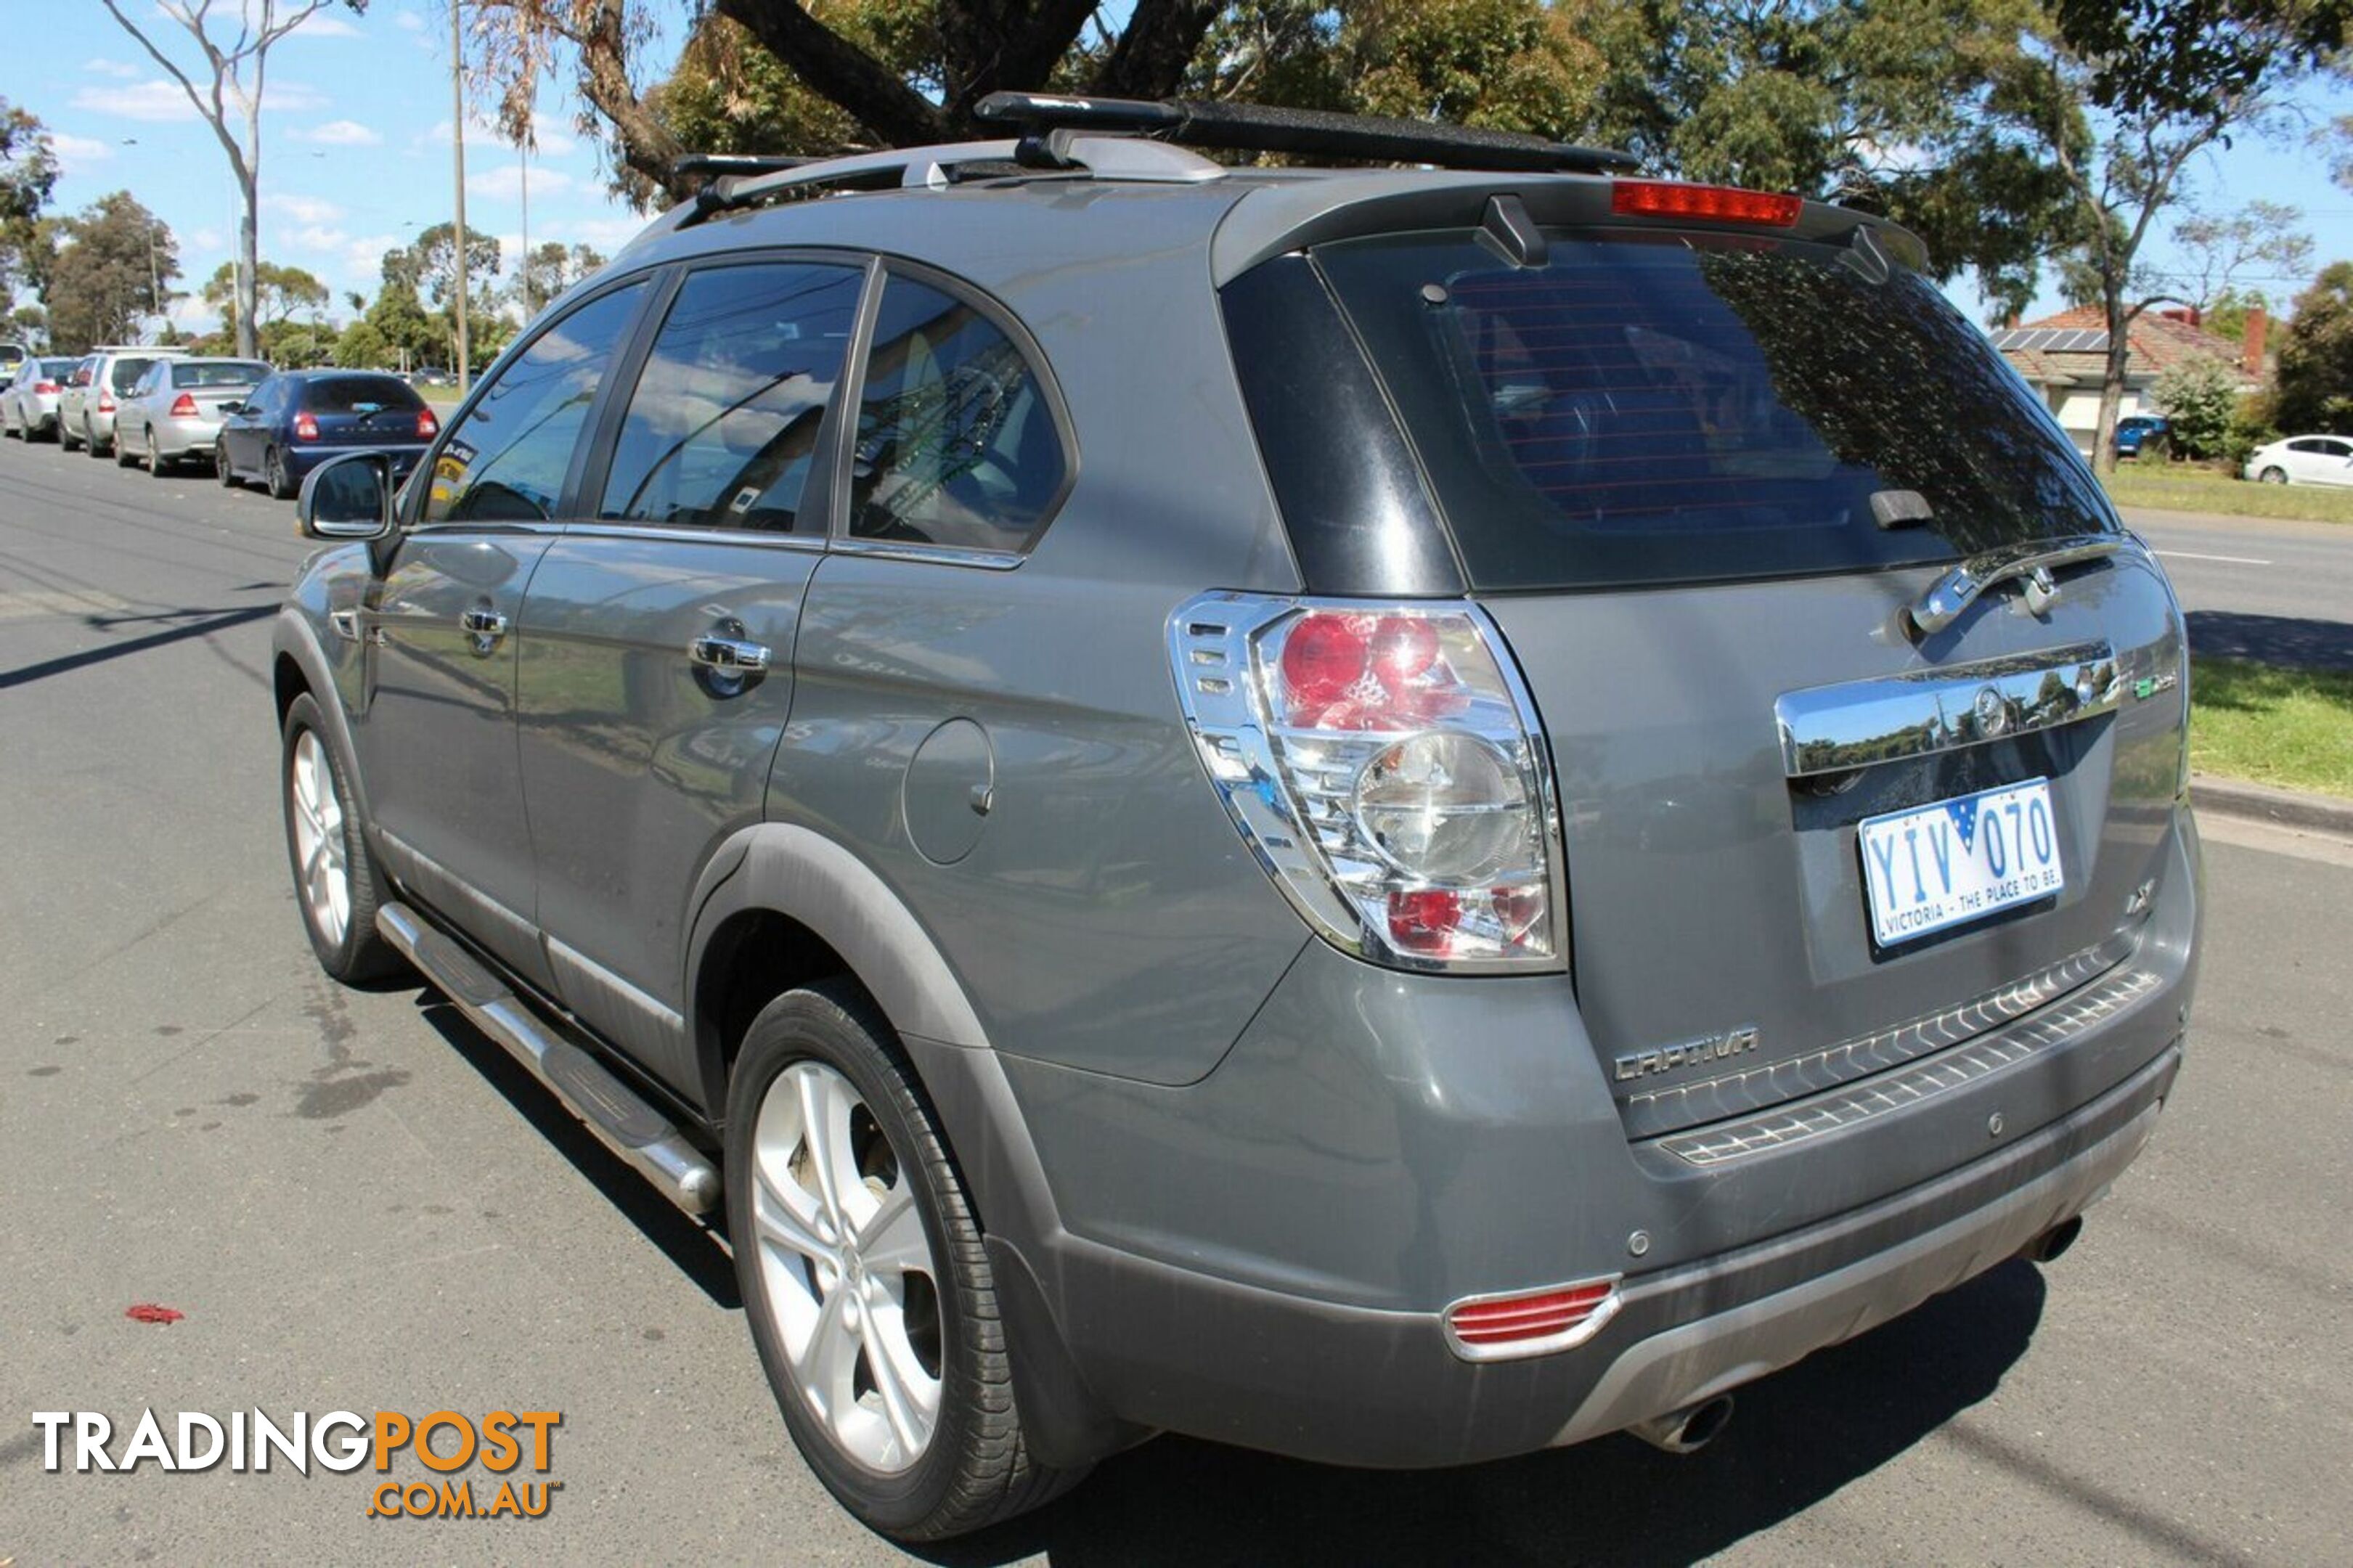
{"x":1256,"y":128}
{"x":716,"y":165}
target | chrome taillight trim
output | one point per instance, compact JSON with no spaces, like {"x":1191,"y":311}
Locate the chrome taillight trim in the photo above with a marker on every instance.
{"x":1212,"y":639}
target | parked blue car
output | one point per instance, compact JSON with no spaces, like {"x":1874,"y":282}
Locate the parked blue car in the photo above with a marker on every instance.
{"x":2131,"y":432}
{"x":297,"y":419}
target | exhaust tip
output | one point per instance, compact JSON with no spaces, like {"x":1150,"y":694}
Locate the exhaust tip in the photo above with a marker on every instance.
{"x":2048,"y":1247}
{"x":1688,"y":1430}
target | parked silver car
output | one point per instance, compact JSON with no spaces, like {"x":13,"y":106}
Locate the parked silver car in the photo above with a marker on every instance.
{"x":89,"y":405}
{"x":29,"y":407}
{"x":175,"y":410}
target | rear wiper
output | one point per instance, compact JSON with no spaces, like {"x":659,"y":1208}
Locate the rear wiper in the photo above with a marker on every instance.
{"x":1958,"y":589}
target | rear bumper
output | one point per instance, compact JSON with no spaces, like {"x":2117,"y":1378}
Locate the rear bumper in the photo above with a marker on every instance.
{"x":1263,"y":1257}
{"x":186,"y":438}
{"x":1164,"y":1348}
{"x":300,"y":460}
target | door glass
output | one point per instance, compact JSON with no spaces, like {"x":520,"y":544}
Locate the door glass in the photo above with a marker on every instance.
{"x":955,"y":443}
{"x":506,"y":460}
{"x":723,"y":425}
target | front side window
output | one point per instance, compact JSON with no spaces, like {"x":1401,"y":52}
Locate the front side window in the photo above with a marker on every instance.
{"x":506,"y":460}
{"x":956,"y":445}
{"x":722,"y":429}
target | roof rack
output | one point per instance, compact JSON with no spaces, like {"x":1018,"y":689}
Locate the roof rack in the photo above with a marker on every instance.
{"x":718,"y":163}
{"x":1256,"y":128}
{"x":936,"y":168}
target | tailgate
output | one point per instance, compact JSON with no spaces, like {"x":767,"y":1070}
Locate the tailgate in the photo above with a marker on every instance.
{"x":1722,"y":935}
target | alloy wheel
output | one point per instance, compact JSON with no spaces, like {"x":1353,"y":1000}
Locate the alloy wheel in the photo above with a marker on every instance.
{"x":848,"y":1267}
{"x":325,"y":879}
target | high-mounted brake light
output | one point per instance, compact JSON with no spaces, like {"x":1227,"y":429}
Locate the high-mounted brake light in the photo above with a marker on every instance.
{"x":184,"y":406}
{"x":1530,"y":1322}
{"x":427,"y":426}
{"x":1717,"y":203}
{"x":1385,"y":764}
{"x":306,"y":428}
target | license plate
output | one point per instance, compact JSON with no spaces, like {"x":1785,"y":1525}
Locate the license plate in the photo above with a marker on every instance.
{"x":1959,"y":860}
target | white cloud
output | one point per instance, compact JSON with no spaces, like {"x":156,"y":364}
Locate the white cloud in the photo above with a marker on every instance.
{"x":325,"y":25}
{"x":76,"y":153}
{"x":121,"y":70}
{"x":161,"y":102}
{"x":206,"y":240}
{"x":302,"y":209}
{"x":317,"y":238}
{"x":409,"y":21}
{"x":605,"y":234}
{"x":340,"y":133}
{"x":504,"y":182}
{"x":547,"y":142}
{"x":364,"y":255}
{"x":191,"y":314}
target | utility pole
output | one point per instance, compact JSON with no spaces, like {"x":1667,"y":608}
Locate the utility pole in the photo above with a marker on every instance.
{"x":457,"y":144}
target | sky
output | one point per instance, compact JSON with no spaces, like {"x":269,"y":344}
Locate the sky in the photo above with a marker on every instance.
{"x":356,"y":149}
{"x":355,"y":143}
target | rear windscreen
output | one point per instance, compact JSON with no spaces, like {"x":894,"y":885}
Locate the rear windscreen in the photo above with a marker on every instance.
{"x":1661,"y":408}
{"x":355,"y":394}
{"x":228,"y":373}
{"x":126,"y":372}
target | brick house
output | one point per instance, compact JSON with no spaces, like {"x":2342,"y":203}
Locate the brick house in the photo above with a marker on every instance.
{"x":2063,"y":357}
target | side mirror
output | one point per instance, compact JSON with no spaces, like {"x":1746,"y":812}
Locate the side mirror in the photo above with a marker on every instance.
{"x":232,"y":409}
{"x":347,"y":498}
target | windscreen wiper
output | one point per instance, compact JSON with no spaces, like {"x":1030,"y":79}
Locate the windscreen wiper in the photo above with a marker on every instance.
{"x":1958,"y":589}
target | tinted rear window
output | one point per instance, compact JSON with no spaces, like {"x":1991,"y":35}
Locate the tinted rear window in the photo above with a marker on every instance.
{"x":1662,"y":408}
{"x":58,"y":369}
{"x":347,"y":394}
{"x":228,"y":373}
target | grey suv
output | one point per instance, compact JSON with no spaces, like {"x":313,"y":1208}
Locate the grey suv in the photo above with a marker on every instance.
{"x":1398,"y":816}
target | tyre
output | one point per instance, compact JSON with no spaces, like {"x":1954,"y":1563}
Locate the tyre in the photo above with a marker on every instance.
{"x":273,"y":472}
{"x":93,"y":445}
{"x":221,"y":470}
{"x":156,"y":462}
{"x":864,"y":1279}
{"x":2273,"y":476}
{"x":66,"y":437}
{"x":336,"y":884}
{"x":123,"y":458}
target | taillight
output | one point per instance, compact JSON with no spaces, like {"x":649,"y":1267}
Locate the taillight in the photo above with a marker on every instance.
{"x":1385,"y":763}
{"x":427,"y":426}
{"x":1717,"y":204}
{"x":184,"y":407}
{"x":45,"y":388}
{"x":306,"y":428}
{"x":1530,"y":1322}
{"x":106,"y":402}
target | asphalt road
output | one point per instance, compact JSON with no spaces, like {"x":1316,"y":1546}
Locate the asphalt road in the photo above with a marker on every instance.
{"x":358,"y":1204}
{"x":2258,"y":588}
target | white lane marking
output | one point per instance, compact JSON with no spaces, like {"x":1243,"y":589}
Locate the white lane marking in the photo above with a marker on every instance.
{"x":2193,"y":555}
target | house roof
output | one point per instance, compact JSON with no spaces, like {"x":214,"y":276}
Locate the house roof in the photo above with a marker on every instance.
{"x":2070,"y":348}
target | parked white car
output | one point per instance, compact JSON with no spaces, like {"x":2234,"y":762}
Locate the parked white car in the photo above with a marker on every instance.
{"x":2302,"y":460}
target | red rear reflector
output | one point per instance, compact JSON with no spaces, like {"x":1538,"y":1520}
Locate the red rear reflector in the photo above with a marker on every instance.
{"x":305,"y":427}
{"x":1718,"y":204}
{"x":1531,"y":1323}
{"x":427,"y":426}
{"x":184,"y":407}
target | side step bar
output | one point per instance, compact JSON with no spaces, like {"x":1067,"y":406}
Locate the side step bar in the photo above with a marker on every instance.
{"x":625,"y":1123}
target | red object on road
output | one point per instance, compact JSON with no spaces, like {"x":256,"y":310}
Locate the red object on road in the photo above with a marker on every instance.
{"x":149,"y":1312}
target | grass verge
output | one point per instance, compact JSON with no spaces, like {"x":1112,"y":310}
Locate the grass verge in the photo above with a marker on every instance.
{"x":2290,"y":728}
{"x":2177,"y":486}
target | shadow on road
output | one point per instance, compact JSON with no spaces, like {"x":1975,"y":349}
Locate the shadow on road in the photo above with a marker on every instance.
{"x":1798,"y":1438}
{"x":214,"y":622}
{"x":694,"y":1249}
{"x":2272,"y":639}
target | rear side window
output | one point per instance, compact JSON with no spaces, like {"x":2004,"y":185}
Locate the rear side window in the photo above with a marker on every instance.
{"x":353,"y":394}
{"x":507,"y":459}
{"x":229,"y":373}
{"x":722,"y":429}
{"x":1662,"y":409}
{"x":956,"y":445}
{"x":126,"y":373}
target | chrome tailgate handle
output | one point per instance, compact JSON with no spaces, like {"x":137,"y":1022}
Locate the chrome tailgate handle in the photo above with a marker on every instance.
{"x":1958,"y":589}
{"x":730,"y":656}
{"x":1834,"y":728}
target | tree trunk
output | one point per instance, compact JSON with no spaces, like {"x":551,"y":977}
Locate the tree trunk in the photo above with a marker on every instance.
{"x":2112,"y":382}
{"x":249,"y":280}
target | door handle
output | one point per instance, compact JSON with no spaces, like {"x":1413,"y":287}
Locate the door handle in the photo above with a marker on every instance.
{"x":484,"y":623}
{"x":729,"y":656}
